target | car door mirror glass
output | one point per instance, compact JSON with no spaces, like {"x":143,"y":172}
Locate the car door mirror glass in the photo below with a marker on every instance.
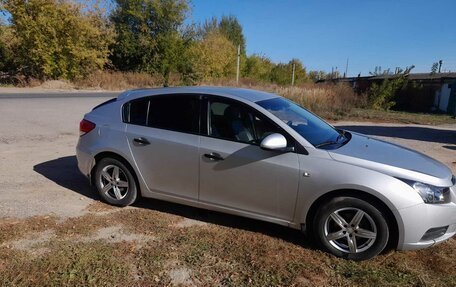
{"x":274,"y":142}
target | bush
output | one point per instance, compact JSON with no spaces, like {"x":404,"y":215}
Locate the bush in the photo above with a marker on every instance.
{"x":380,"y":96}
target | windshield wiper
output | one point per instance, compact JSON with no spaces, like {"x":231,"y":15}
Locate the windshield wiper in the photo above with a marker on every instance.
{"x":326,"y":143}
{"x":340,"y":136}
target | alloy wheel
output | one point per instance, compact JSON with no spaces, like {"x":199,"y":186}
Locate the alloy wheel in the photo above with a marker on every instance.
{"x":350,"y":230}
{"x":114,"y":182}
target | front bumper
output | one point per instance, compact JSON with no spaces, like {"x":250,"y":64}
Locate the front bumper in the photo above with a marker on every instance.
{"x":419,"y":219}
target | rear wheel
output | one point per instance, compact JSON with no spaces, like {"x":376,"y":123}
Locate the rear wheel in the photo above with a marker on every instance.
{"x":351,"y":228}
{"x":115,"y":182}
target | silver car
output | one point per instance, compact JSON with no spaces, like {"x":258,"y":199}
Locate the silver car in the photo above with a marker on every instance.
{"x":259,"y":155}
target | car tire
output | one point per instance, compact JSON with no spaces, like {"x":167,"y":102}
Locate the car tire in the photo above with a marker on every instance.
{"x":115,"y":182}
{"x":351,"y":228}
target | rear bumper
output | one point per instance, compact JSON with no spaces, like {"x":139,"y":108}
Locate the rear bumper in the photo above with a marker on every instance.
{"x":85,"y":160}
{"x":418,"y":220}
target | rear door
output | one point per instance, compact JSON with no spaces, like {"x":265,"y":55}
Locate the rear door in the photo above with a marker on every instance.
{"x":162,"y":132}
{"x":236,"y":173}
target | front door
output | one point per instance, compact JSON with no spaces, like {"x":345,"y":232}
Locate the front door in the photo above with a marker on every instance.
{"x":236,"y":173}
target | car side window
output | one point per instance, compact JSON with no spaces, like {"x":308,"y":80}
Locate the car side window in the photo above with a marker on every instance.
{"x":172,"y":112}
{"x":135,"y":112}
{"x":177,"y":113}
{"x":236,"y":122}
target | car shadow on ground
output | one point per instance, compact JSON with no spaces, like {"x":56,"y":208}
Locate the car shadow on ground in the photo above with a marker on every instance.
{"x":452,"y":147}
{"x":64,"y":172}
{"x":411,"y":133}
{"x":293,"y":236}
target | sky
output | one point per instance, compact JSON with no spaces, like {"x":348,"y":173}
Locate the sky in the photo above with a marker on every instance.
{"x":324,"y":33}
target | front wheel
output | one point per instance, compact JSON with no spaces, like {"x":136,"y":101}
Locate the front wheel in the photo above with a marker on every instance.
{"x":115,"y":182}
{"x":351,"y":228}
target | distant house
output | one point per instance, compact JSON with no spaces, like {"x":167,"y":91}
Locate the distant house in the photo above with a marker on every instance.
{"x":431,"y":92}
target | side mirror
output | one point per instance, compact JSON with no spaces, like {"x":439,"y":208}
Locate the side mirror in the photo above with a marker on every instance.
{"x":275,"y":142}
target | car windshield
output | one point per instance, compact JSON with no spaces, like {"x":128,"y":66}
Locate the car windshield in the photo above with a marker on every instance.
{"x":308,"y":125}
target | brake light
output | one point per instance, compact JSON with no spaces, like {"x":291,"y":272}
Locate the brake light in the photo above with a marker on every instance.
{"x":85,"y":126}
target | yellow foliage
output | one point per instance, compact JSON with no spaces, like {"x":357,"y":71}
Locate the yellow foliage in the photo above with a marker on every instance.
{"x":58,"y":38}
{"x":213,"y":57}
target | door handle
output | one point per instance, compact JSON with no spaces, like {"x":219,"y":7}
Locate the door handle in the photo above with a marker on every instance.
{"x":141,"y":141}
{"x":213,"y":156}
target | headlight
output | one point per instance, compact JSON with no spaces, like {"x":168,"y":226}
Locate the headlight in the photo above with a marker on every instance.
{"x":432,"y":194}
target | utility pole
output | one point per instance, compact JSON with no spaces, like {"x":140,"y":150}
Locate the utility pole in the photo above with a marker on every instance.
{"x":293,"y":75}
{"x":346,"y":69}
{"x":238,"y":63}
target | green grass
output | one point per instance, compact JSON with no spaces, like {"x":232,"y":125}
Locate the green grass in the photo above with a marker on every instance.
{"x":249,"y":254}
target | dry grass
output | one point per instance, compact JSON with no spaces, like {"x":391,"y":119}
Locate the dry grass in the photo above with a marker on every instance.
{"x":228,"y":251}
{"x":116,"y":81}
{"x":330,"y":101}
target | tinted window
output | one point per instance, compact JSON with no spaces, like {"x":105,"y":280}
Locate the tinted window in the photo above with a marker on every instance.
{"x":178,"y":113}
{"x":136,"y":112}
{"x":233,"y":121}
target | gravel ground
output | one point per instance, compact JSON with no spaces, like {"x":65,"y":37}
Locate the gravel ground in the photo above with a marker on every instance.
{"x":38,"y":168}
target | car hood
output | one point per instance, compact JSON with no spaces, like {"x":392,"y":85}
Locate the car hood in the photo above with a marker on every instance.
{"x":392,"y":159}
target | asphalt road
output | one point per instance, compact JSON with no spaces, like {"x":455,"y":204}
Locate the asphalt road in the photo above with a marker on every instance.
{"x":46,"y":95}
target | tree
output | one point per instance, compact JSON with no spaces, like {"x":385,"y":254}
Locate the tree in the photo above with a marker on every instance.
{"x":380,"y":96}
{"x":282,"y":73}
{"x":149,"y":35}
{"x":232,"y":29}
{"x":379,"y":72}
{"x":435,"y":68}
{"x":6,"y":51}
{"x":213,"y":57}
{"x":258,"y":67}
{"x":229,"y":26}
{"x":316,"y":75}
{"x":58,"y":38}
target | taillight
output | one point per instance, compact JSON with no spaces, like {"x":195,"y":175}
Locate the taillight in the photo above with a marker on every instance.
{"x":85,"y":126}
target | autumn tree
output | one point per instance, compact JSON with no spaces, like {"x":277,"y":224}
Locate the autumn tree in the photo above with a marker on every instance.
{"x":6,"y":51}
{"x":258,"y":67}
{"x":58,"y":38}
{"x":228,"y":26}
{"x":213,"y":57}
{"x":149,"y":36}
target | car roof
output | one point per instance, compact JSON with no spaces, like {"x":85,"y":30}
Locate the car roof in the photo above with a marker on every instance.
{"x":246,"y":94}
